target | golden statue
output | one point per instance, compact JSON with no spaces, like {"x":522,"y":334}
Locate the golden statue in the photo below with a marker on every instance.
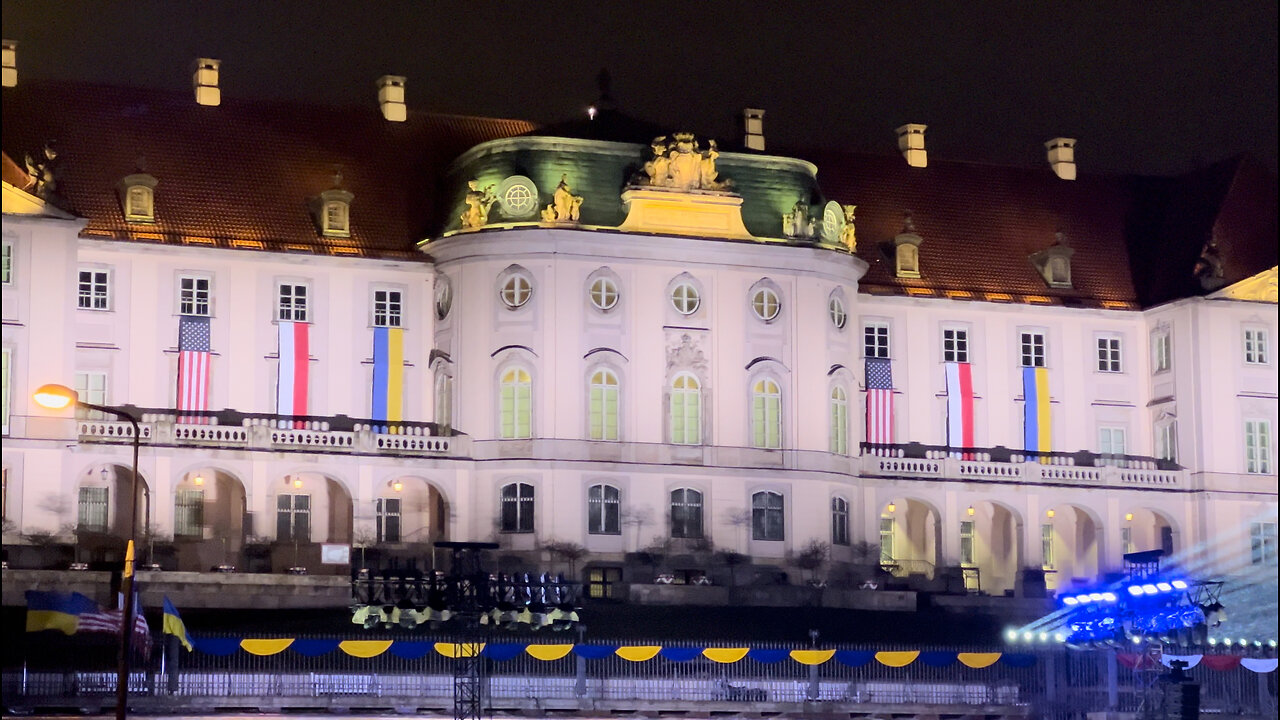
{"x":848,"y":233}
{"x":565,"y":206}
{"x":797,"y":223}
{"x":681,"y":164}
{"x":478,"y":203}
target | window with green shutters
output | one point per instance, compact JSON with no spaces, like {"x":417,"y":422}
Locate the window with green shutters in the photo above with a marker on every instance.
{"x":603,"y":411}
{"x":515,"y":413}
{"x":686,"y":410}
{"x":766,"y":414}
{"x":839,"y":440}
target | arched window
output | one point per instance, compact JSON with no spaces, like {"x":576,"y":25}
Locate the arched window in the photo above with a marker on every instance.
{"x":603,"y":293}
{"x":444,"y":399}
{"x":684,"y":297}
{"x":515,"y":412}
{"x":516,"y":290}
{"x":602,"y":410}
{"x":766,"y":414}
{"x":765,"y":304}
{"x":517,"y":508}
{"x":766,"y":516}
{"x":686,"y":513}
{"x":686,"y":410}
{"x":839,"y":521}
{"x":604,"y":510}
{"x":839,"y":440}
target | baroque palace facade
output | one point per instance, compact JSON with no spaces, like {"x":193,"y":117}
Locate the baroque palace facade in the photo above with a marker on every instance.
{"x":377,"y":328}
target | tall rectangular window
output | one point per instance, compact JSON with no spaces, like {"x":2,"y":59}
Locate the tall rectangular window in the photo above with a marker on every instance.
{"x":517,"y":508}
{"x":293,"y":518}
{"x":1256,"y":350}
{"x":1161,"y":351}
{"x":1167,"y":440}
{"x":444,"y":399}
{"x":886,"y":540}
{"x":1126,"y":539}
{"x":93,"y":289}
{"x":1109,"y":354}
{"x":838,"y":442}
{"x":194,"y":295}
{"x":686,"y":513}
{"x":875,"y":339}
{"x":1257,"y":447}
{"x":966,"y":542}
{"x":188,"y":513}
{"x":1111,"y":441}
{"x":1046,"y":546}
{"x":91,"y":387}
{"x":766,"y":516}
{"x":387,"y":521}
{"x":604,"y":506}
{"x":839,"y":521}
{"x":6,"y":370}
{"x":6,"y":263}
{"x":955,"y":345}
{"x":91,"y":510}
{"x":292,"y":305}
{"x":386,"y":308}
{"x":1262,"y":536}
{"x":602,"y":413}
{"x":1031,"y":348}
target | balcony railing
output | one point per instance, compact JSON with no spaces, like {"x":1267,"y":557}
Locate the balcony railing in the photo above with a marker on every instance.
{"x":263,"y":431}
{"x":1005,"y":464}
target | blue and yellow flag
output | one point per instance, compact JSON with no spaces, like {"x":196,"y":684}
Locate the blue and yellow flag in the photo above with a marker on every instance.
{"x":388,"y":373}
{"x":1037,"y":429}
{"x":57,"y":611}
{"x":173,"y":625}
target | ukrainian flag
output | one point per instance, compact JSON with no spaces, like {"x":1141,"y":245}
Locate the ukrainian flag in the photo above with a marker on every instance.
{"x":57,"y":611}
{"x":1038,"y":431}
{"x":388,"y":374}
{"x":173,"y":625}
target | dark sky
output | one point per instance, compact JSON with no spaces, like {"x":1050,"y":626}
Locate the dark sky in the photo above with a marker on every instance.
{"x":1146,"y":87}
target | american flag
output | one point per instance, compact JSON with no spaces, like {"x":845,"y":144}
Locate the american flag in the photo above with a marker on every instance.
{"x":193,"y":366}
{"x":108,"y":621}
{"x":879,"y":401}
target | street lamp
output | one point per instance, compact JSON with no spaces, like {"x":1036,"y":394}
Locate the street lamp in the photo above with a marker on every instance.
{"x":57,"y":397}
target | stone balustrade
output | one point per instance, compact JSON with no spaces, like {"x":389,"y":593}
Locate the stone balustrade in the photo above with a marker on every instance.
{"x":1003,"y":464}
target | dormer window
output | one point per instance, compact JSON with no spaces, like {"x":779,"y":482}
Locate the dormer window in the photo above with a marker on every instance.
{"x":138,"y":199}
{"x":906,"y":251}
{"x":1054,"y":264}
{"x":333,"y":213}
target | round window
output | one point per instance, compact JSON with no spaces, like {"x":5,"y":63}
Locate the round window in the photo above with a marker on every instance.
{"x":685,"y":298}
{"x":604,"y":294}
{"x":765,"y":304}
{"x":838,"y":315}
{"x":444,"y":297}
{"x":518,"y":197}
{"x":516,"y":291}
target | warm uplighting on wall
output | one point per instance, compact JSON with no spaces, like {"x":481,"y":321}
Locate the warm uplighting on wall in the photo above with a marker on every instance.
{"x":397,"y":486}
{"x":891,"y":507}
{"x":1049,"y":513}
{"x":198,"y":480}
{"x":970,"y":511}
{"x":297,"y":483}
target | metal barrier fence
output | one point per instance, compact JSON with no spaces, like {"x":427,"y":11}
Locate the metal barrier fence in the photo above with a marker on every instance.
{"x":1061,"y":684}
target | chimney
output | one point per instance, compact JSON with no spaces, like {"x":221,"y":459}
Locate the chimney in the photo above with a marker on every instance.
{"x":205,"y":81}
{"x":10,"y":57}
{"x":1062,"y":157}
{"x":391,"y":98}
{"x":911,"y":143}
{"x":753,"y":129}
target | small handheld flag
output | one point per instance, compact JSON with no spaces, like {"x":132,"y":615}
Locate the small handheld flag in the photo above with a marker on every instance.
{"x":173,"y":625}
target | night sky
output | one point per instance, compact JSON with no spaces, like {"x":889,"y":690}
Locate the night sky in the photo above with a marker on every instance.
{"x":1146,"y":87}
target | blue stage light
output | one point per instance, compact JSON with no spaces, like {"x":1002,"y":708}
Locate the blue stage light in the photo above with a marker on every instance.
{"x":1164,"y":587}
{"x":1096,"y":597}
{"x":1135,"y":590}
{"x":1068,"y":600}
{"x":1179,"y":584}
{"x":1149,"y":589}
{"x":1082,"y":599}
{"x":1109,"y":597}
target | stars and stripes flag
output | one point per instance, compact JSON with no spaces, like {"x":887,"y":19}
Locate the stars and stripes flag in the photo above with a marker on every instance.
{"x":193,"y":367}
{"x":879,"y":401}
{"x":109,"y":621}
{"x":959,"y":405}
{"x":291,"y":382}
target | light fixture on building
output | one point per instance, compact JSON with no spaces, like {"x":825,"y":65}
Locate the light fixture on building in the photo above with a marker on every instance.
{"x":105,"y":475}
{"x":1049,"y":513}
{"x":397,"y":486}
{"x":297,"y":482}
{"x":198,"y":480}
{"x":591,"y":112}
{"x":205,"y":81}
{"x":1128,"y":517}
{"x":891,"y":507}
{"x":970,"y":511}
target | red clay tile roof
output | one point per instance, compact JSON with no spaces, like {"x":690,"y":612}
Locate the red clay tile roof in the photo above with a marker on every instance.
{"x":980,"y":224}
{"x":241,"y":174}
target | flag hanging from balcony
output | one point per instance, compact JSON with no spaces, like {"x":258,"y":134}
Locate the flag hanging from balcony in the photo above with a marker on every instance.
{"x":193,"y":366}
{"x":1036,"y":423}
{"x":959,"y":405}
{"x":291,"y":379}
{"x":879,"y":401}
{"x":388,"y":373}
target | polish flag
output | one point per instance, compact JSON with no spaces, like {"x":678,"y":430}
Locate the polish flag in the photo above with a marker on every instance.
{"x":959,"y":405}
{"x":291,"y":385}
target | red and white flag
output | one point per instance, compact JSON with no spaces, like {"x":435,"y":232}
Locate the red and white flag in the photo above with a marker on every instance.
{"x":959,"y":405}
{"x":291,"y":381}
{"x":193,"y":367}
{"x":879,"y":401}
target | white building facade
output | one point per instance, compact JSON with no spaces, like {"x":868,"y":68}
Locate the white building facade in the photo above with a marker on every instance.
{"x":622,"y":389}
